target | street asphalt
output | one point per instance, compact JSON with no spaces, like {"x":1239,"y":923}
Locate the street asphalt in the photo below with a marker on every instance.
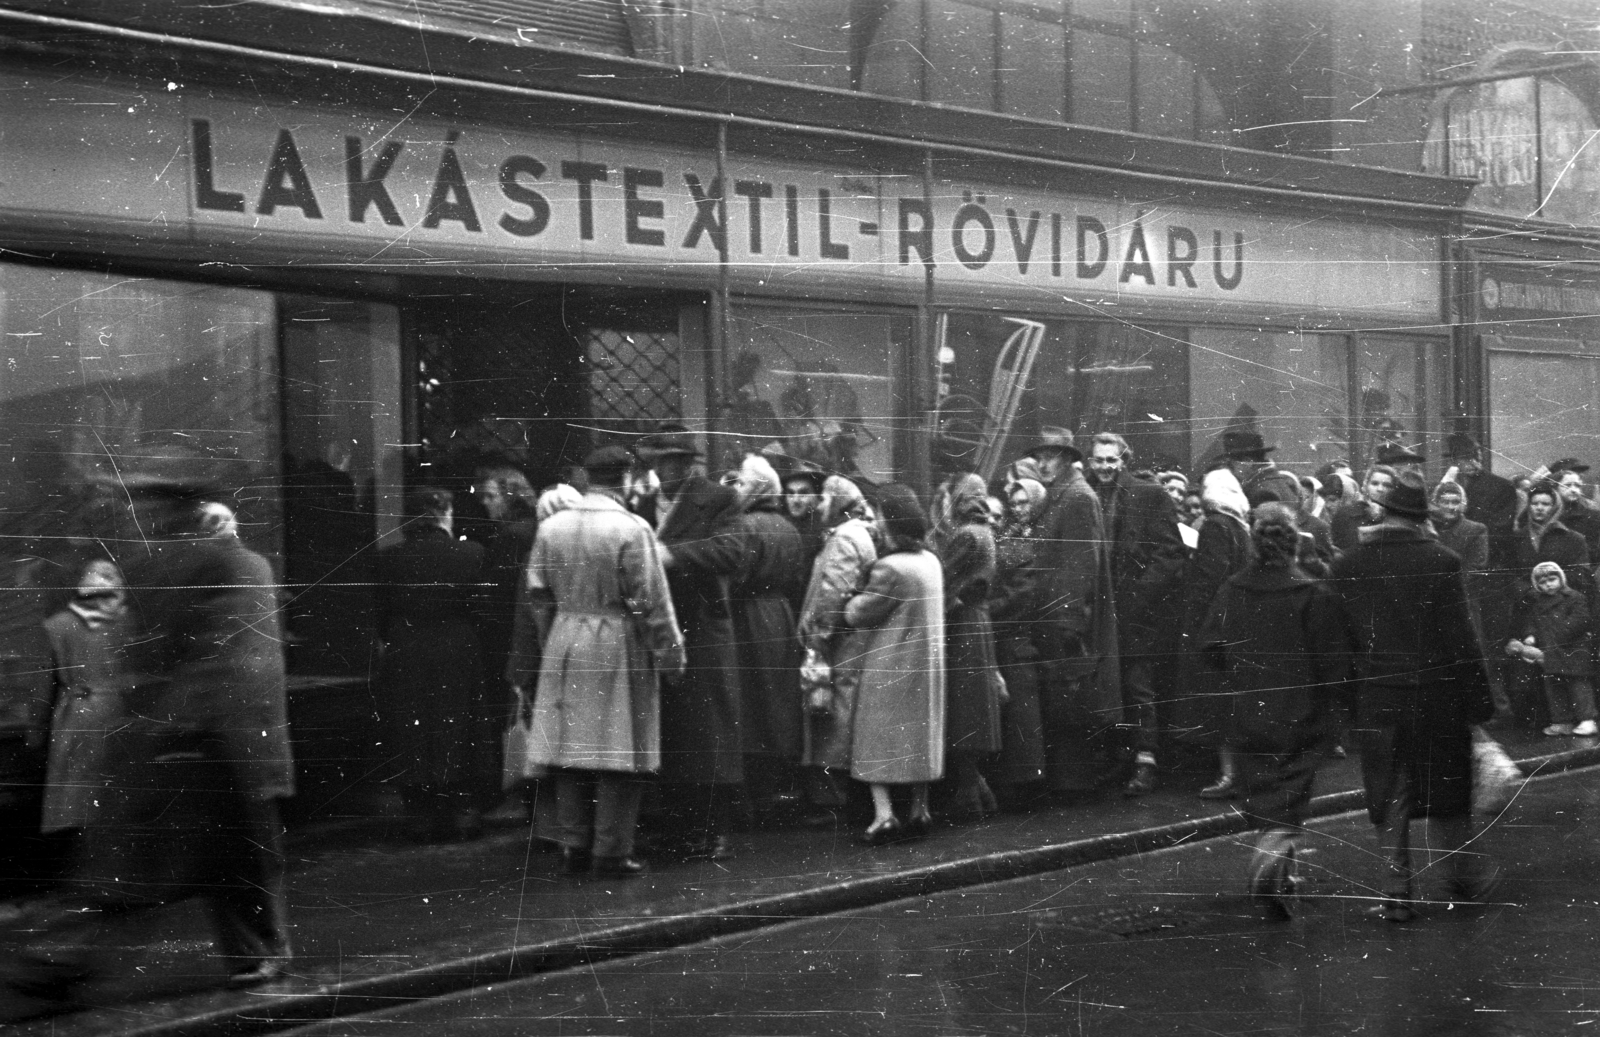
{"x":378,"y":922}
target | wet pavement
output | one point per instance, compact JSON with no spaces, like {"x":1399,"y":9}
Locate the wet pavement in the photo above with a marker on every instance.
{"x":1161,"y":943}
{"x":378,"y":922}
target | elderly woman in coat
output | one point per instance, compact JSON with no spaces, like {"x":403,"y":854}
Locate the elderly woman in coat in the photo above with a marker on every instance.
{"x":898,"y":652}
{"x":1281,"y":643}
{"x":598,"y":595}
{"x":772,"y":553}
{"x":965,"y":544}
{"x":1014,"y":608}
{"x":848,"y":551}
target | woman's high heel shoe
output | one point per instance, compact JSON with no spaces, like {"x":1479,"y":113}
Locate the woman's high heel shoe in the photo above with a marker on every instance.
{"x":918,"y":827}
{"x":882,"y":833}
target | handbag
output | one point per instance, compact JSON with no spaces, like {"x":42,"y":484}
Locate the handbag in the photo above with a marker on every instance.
{"x":1496,"y":778}
{"x":516,"y":745}
{"x":816,"y":683}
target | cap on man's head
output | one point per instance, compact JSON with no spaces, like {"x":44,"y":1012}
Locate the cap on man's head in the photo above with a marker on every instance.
{"x":1054,"y":438}
{"x":1398,"y":454}
{"x":1568,"y":464}
{"x":611,"y":458}
{"x":669,"y":441}
{"x":1459,"y":446}
{"x":1245,"y":445}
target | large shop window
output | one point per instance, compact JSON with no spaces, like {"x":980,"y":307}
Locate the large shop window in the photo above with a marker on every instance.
{"x":104,"y":375}
{"x":821,"y":385}
{"x":1544,"y":401}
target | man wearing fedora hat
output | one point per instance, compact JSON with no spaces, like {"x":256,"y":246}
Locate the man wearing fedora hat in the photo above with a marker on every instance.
{"x":1262,"y":481}
{"x":1400,"y":457}
{"x":697,"y":524}
{"x":1081,"y":689}
{"x":1421,"y":686}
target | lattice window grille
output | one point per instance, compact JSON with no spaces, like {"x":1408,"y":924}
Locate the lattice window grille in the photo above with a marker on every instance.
{"x":635,"y":379}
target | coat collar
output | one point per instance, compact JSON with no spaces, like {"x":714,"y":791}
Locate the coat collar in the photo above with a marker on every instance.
{"x":1382,"y":534}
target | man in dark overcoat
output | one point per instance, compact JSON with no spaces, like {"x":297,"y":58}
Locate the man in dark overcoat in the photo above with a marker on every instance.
{"x":697,"y":524}
{"x":1422,"y":684}
{"x":1147,"y":560}
{"x":197,"y":767}
{"x":1492,"y":500}
{"x":1076,"y":632}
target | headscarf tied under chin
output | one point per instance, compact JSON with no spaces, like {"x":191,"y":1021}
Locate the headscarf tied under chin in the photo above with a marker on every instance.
{"x":1220,"y":491}
{"x":559,"y":497}
{"x":758,"y":480}
{"x":840,"y":497}
{"x":1548,"y":568}
{"x":961,"y":501}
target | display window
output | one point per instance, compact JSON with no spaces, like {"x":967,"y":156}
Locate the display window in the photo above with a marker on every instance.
{"x":820,"y":385}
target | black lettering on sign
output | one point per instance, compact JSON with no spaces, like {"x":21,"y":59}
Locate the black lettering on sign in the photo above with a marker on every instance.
{"x":286,"y":183}
{"x":791,"y":217}
{"x":635,"y":208}
{"x":753,"y":191}
{"x":538,"y":217}
{"x":1055,"y":244}
{"x":1136,"y":260}
{"x":1022,"y":245}
{"x":973,"y":212}
{"x":586,"y":174}
{"x":1227,"y":282}
{"x":451,"y":198}
{"x":921,"y":238}
{"x":1181,"y":262}
{"x":1088,"y":225}
{"x":707,"y":214}
{"x":206,"y":195}
{"x":826,"y":244}
{"x":366,"y":184}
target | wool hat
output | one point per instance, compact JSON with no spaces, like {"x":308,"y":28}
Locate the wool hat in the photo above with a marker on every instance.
{"x":1546,"y":568}
{"x":1408,"y":497}
{"x":901,"y":513}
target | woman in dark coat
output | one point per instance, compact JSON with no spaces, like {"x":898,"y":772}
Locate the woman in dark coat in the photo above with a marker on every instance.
{"x":1542,"y":537}
{"x":763,"y":591}
{"x":1013,"y":607}
{"x":430,"y":692}
{"x":1281,"y":643}
{"x":965,"y":545}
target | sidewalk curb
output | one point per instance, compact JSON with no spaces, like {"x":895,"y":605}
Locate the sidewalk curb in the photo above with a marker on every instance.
{"x":360,"y":996}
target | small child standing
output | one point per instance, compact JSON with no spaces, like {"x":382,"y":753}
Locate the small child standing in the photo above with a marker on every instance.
{"x":1559,"y":632}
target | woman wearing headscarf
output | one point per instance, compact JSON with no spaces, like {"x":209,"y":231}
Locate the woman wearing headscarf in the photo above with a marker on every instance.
{"x":898,"y":654}
{"x":1361,"y":510}
{"x":761,"y":595}
{"x":1281,"y":644}
{"x":848,"y":551}
{"x":1014,"y":607}
{"x":431,"y":675}
{"x":964,"y":542}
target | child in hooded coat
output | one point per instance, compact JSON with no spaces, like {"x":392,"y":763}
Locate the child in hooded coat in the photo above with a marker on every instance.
{"x":1558,"y":635}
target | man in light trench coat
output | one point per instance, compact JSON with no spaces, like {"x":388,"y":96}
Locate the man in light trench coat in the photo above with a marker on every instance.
{"x":599,"y":601}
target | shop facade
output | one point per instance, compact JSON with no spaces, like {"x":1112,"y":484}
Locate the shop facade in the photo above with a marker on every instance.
{"x":332,"y":289}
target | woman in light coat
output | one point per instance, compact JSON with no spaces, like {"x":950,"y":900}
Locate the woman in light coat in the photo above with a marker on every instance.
{"x":840,"y":570}
{"x":898,"y":731}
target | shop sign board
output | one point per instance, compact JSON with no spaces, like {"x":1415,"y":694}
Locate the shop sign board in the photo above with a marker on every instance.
{"x":392,"y":192}
{"x":1538,"y":301}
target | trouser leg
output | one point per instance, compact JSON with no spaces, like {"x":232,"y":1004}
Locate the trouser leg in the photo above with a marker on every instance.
{"x":247,"y":906}
{"x":616,"y":813}
{"x":1139,"y":698}
{"x":574,"y":826}
{"x":1394,"y":837}
{"x":1582,"y":689}
{"x":1556,"y":700}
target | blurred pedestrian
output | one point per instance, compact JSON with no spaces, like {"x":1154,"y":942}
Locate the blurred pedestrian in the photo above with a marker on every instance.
{"x":195,"y":766}
{"x":974,"y":689}
{"x":771,"y":564}
{"x":898,"y":733}
{"x":430,"y":688}
{"x":702,"y":763}
{"x":598,"y":598}
{"x":1422,"y":687}
{"x":1281,"y":643}
{"x":848,"y":550}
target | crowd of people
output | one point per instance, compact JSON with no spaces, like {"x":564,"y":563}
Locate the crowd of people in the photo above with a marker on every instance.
{"x":682,"y":655}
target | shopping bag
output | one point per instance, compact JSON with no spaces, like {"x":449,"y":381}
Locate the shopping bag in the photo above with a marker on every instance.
{"x":516,"y":745}
{"x":1496,"y":778}
{"x":816,"y":683}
